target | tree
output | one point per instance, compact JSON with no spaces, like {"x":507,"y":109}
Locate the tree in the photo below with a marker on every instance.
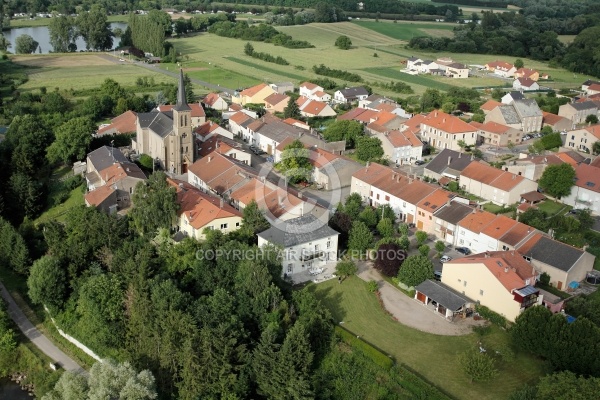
{"x":440,"y":247}
{"x":353,"y":205}
{"x":368,"y":148}
{"x":385,"y":227}
{"x":343,"y":42}
{"x":403,"y":229}
{"x":345,"y":268}
{"x":424,"y":250}
{"x":63,"y":33}
{"x":360,"y":238}
{"x":344,"y":130}
{"x":519,"y":63}
{"x":248,"y":49}
{"x":369,"y":217}
{"x":557,"y":180}
{"x":590,"y":119}
{"x":154,"y":205}
{"x":551,"y":141}
{"x":93,"y":26}
{"x":386,"y":211}
{"x":295,"y":162}
{"x":567,"y":385}
{"x":415,"y":270}
{"x":47,"y":283}
{"x":253,"y":219}
{"x":342,"y":223}
{"x":72,"y":140}
{"x":404,"y":242}
{"x":596,"y":148}
{"x":24,"y":44}
{"x":421,"y":237}
{"x":389,"y":258}
{"x":292,"y":110}
{"x":478,"y":366}
{"x":511,"y":146}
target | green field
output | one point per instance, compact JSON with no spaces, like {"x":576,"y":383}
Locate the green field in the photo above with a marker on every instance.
{"x":211,"y":73}
{"x":432,"y":356}
{"x":266,"y":69}
{"x":408,"y":30}
{"x":422,"y":80}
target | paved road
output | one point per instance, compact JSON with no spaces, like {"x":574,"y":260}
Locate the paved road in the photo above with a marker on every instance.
{"x":36,"y":337}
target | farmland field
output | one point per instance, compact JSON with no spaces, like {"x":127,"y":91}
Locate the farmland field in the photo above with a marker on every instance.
{"x":208,"y":72}
{"x":406,"y":31}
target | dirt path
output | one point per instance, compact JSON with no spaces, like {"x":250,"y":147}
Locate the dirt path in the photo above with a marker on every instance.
{"x":408,"y":311}
{"x":36,"y":337}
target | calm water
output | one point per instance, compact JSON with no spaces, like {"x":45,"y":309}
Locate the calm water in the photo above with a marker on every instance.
{"x":40,"y":35}
{"x":11,"y":390}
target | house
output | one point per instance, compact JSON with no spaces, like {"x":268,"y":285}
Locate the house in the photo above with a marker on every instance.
{"x":457,"y":70}
{"x":116,"y":183}
{"x":312,"y":91}
{"x":593,"y":89}
{"x":585,"y":192}
{"x":412,"y":63}
{"x":564,"y":263}
{"x":225,"y":146}
{"x":447,"y":164}
{"x":349,"y":95}
{"x":497,"y":134}
{"x":307,"y":243}
{"x":198,"y":116}
{"x":501,"y":68}
{"x":282,"y":87}
{"x":447,"y":217}
{"x":428,"y":205}
{"x":527,"y":73}
{"x":532,"y":167}
{"x":585,"y":85}
{"x":444,"y":131}
{"x":577,"y":112}
{"x":199,"y":211}
{"x":525,"y":84}
{"x":377,"y":102}
{"x":502,"y":281}
{"x":444,"y":300}
{"x":238,"y":125}
{"x":122,"y":124}
{"x":332,"y":171}
{"x":214,"y":101}
{"x":210,"y":129}
{"x":314,"y":108}
{"x":167,"y":136}
{"x":401,"y":147}
{"x":382,"y":121}
{"x":511,"y":96}
{"x":268,"y":132}
{"x":500,"y":187}
{"x":583,"y":139}
{"x":254,"y":95}
{"x":556,"y":122}
{"x":297,"y":123}
{"x":489,"y":106}
{"x":524,"y":114}
{"x":276,"y":102}
{"x":102,"y":158}
{"x":468,"y":230}
{"x":219,"y":174}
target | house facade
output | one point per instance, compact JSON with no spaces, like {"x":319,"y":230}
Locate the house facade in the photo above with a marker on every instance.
{"x":215,"y":101}
{"x":577,"y":112}
{"x":401,"y":147}
{"x":525,"y":84}
{"x":457,"y":70}
{"x":306,"y":243}
{"x":444,"y":131}
{"x":501,"y":68}
{"x":583,"y":139}
{"x":350,"y":95}
{"x":253,"y":95}
{"x":497,"y":134}
{"x":585,"y":192}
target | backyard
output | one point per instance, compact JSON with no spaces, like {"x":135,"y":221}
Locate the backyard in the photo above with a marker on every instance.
{"x":432,"y":356}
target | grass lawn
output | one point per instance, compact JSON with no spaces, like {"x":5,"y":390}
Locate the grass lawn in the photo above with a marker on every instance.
{"x":552,"y":207}
{"x":209,"y":73}
{"x":432,"y":356}
{"x":407,"y":30}
{"x":491,"y":207}
{"x":57,"y":213}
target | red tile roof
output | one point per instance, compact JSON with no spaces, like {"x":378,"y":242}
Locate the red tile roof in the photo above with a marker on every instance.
{"x":490,"y":105}
{"x":211,"y":99}
{"x":276,"y":98}
{"x":526,"y":82}
{"x":526,"y":72}
{"x":309,"y":86}
{"x":499,"y":227}
{"x":551,"y":119}
{"x":239,"y":118}
{"x":124,"y":123}
{"x":594,"y":130}
{"x":447,"y":123}
{"x":587,"y":177}
{"x":206,"y":128}
{"x":403,"y":139}
{"x":595,"y":87}
{"x":435,"y":200}
{"x":119,"y":171}
{"x":253,"y":90}
{"x":502,"y":65}
{"x":491,"y":176}
{"x":352,"y":114}
{"x":314,"y":107}
{"x":216,"y":143}
{"x":197,"y":109}
{"x":477,"y":220}
{"x":492,"y":127}
{"x":267,"y":195}
{"x":96,"y":197}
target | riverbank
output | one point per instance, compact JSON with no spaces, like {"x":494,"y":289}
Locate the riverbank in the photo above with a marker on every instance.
{"x":37,"y":21}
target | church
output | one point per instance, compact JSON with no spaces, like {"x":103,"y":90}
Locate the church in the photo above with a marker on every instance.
{"x":166,"y":136}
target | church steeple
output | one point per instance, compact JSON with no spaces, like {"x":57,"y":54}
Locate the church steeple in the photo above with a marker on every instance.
{"x":182,"y":104}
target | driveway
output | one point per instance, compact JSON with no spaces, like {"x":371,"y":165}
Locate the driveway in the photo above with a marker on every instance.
{"x":36,"y":337}
{"x":409,"y":312}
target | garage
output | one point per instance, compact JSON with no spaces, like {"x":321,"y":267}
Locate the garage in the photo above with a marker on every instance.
{"x":442,"y":299}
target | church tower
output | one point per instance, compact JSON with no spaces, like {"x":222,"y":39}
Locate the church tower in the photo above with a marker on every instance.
{"x":182,"y":142}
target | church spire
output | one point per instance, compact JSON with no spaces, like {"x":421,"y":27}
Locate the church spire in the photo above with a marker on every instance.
{"x":182,"y":104}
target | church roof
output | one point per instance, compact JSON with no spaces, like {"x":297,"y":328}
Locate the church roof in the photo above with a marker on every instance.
{"x":182,"y":104}
{"x":158,"y":122}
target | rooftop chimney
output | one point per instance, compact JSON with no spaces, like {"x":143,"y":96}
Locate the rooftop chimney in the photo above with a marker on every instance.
{"x":221,"y":203}
{"x":210,"y":158}
{"x":506,"y":269}
{"x":449,"y":159}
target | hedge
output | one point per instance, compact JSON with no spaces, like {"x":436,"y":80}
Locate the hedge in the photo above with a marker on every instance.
{"x":376,"y":355}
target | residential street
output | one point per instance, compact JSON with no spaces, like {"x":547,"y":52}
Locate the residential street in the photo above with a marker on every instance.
{"x":36,"y":337}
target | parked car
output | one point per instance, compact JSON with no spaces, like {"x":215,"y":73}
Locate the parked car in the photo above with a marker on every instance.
{"x":463,"y":250}
{"x":419,"y":162}
{"x":445,"y":259}
{"x":575,"y":211}
{"x":437,"y":275}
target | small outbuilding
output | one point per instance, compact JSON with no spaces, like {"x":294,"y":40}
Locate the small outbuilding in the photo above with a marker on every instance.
{"x":442,"y":299}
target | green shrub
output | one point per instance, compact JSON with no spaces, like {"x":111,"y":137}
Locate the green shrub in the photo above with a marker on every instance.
{"x":372,"y":286}
{"x":146,"y":162}
{"x":72,"y":182}
{"x":61,"y":197}
{"x":367,"y":349}
{"x":492,"y":316}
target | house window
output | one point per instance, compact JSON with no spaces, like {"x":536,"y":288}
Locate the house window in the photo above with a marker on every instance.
{"x":505,"y":248}
{"x":316,"y":247}
{"x":223,"y":226}
{"x":371,"y":193}
{"x":289,"y":269}
{"x":377,"y":196}
{"x":481,"y":292}
{"x":237,"y":224}
{"x":465,"y":283}
{"x":387,"y":198}
{"x":328,"y":243}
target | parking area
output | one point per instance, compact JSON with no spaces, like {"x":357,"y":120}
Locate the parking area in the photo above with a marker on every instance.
{"x":449,"y":252}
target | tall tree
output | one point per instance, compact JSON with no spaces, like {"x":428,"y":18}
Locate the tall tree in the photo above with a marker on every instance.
{"x":390,"y":257}
{"x":292,"y":110}
{"x":63,"y":33}
{"x":94,"y":28}
{"x":295,"y":162}
{"x":24,"y":44}
{"x":368,"y":148}
{"x":343,"y":42}
{"x":415,"y":270}
{"x":72,"y":141}
{"x":47,"y":283}
{"x":154,"y":205}
{"x":253,"y":219}
{"x":360,"y":238}
{"x":344,"y":130}
{"x":557,"y":180}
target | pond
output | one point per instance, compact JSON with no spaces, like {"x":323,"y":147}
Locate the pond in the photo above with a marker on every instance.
{"x":12,"y":390}
{"x":41,"y":35}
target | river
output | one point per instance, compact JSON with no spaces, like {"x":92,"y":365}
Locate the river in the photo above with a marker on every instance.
{"x":40,"y":35}
{"x":12,"y":390}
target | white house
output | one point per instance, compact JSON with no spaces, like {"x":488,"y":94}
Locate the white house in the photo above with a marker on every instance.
{"x":585,"y":192}
{"x":401,"y":147}
{"x":457,"y":70}
{"x":307,"y":243}
{"x":307,"y":89}
{"x":525,"y":84}
{"x":349,"y":95}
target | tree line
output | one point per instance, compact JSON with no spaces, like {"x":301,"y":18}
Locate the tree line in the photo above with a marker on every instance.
{"x":91,"y":25}
{"x":259,"y":33}
{"x":249,"y":51}
{"x":336,"y":73}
